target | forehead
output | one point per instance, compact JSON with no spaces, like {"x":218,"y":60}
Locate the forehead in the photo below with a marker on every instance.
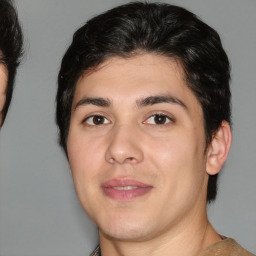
{"x":134,"y":66}
{"x":126,"y":72}
{"x":135,"y":77}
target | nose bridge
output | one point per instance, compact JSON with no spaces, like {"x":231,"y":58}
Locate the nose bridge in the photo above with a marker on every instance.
{"x":124,"y":145}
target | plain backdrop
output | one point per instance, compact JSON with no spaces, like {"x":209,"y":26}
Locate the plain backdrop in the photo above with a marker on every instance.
{"x":39,"y":212}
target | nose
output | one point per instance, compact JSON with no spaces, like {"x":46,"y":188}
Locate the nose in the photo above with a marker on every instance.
{"x":124,"y":146}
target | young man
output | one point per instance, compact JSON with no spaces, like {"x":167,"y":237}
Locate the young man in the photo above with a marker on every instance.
{"x":10,"y":52}
{"x":143,"y":109}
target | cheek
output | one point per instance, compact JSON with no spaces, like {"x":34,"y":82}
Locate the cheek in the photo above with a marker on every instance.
{"x":87,"y":162}
{"x":170,"y":150}
{"x":84,"y":154}
{"x":177,"y":156}
{"x":3,"y":85}
{"x":84,"y":159}
{"x":2,"y":101}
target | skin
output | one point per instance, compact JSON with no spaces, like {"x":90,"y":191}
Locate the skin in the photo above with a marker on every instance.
{"x":129,"y":142}
{"x":3,"y":86}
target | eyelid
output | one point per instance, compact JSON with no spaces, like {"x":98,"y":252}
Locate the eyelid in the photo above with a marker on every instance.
{"x":160,"y":113}
{"x":93,"y":115}
{"x":87,"y":114}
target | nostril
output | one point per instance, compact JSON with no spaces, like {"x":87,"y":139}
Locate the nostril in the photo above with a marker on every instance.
{"x":130,"y":159}
{"x":121,"y":151}
{"x":111,"y":160}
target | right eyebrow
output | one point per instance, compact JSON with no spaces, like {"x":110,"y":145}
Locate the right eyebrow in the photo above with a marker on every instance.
{"x":157,"y":99}
{"x":100,"y":102}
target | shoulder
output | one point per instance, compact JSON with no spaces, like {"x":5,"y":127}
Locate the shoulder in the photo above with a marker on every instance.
{"x":226,"y":247}
{"x":96,"y":252}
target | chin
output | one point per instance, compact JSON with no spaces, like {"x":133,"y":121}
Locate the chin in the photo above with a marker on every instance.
{"x":124,"y":234}
{"x":125,"y":230}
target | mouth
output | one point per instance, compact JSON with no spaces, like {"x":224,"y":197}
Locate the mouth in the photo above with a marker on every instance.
{"x":125,"y":189}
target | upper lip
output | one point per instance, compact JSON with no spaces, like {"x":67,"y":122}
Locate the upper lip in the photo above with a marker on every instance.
{"x":123,"y":182}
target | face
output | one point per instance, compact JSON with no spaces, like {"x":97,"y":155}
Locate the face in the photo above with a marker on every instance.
{"x":3,"y":85}
{"x":136,"y":147}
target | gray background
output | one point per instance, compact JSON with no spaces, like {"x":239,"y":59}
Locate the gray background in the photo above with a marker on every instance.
{"x":39,"y":212}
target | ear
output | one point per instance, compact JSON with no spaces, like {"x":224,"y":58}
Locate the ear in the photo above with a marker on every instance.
{"x":219,"y":148}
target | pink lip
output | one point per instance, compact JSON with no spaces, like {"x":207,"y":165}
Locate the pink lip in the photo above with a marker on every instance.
{"x":124,"y":189}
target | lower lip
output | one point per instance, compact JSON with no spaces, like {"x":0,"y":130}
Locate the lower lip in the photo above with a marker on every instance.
{"x":125,"y":195}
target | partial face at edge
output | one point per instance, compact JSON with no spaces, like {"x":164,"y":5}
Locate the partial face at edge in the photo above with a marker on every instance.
{"x":3,"y":86}
{"x":136,"y":147}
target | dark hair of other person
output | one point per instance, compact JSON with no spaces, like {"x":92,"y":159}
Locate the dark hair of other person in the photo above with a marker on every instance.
{"x":155,"y":28}
{"x":11,"y":43}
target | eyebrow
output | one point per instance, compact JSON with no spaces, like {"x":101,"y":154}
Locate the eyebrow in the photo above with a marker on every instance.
{"x":152,"y":100}
{"x":148,"y":101}
{"x":100,"y":102}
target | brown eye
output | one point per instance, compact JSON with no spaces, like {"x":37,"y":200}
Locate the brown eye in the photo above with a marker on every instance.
{"x":96,"y":120}
{"x":158,"y":119}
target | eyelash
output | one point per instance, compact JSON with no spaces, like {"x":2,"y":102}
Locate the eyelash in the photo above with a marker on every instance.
{"x":102,"y":120}
{"x":95,"y":116}
{"x":165,"y":118}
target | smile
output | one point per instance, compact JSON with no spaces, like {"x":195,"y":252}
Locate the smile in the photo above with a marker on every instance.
{"x":124,"y":189}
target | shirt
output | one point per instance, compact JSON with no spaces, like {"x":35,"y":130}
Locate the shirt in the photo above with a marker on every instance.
{"x":226,"y":247}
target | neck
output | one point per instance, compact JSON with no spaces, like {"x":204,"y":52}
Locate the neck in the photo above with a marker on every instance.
{"x":188,"y":241}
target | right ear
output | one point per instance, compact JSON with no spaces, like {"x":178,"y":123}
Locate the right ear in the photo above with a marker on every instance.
{"x":219,"y":148}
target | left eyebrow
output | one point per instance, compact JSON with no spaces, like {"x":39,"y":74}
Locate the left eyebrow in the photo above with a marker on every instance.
{"x":100,"y":102}
{"x":152,"y":100}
